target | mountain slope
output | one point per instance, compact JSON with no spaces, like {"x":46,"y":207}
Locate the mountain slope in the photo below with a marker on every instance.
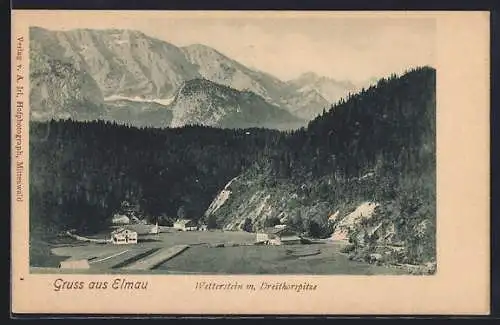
{"x":122,"y":62}
{"x":375,"y":149}
{"x":363,"y":172}
{"x":215,"y":66}
{"x":331,"y":89}
{"x":138,"y":113}
{"x":84,"y":170}
{"x":59,"y":90}
{"x":202,"y":102}
{"x":131,"y":64}
{"x":305,"y":105}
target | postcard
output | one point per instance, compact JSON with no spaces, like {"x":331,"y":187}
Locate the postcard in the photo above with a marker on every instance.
{"x":241,"y":162}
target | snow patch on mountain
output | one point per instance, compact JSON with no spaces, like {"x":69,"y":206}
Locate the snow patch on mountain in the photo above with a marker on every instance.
{"x":162,"y":101}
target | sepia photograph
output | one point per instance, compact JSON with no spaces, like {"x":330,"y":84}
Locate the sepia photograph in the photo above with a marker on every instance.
{"x":244,"y":154}
{"x":190,"y":153}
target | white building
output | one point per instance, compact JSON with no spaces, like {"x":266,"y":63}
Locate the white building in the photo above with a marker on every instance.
{"x":124,"y":236}
{"x":120,"y":219}
{"x":185,"y":225}
{"x":74,"y":264}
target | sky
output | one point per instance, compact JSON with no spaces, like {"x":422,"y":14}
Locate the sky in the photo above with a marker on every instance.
{"x":355,"y":47}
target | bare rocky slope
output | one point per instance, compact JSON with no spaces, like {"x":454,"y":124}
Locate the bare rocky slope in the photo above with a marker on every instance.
{"x":59,"y":90}
{"x":214,"y":66}
{"x":130,"y":64}
{"x":330,"y":89}
{"x":202,"y":102}
{"x":122,"y":62}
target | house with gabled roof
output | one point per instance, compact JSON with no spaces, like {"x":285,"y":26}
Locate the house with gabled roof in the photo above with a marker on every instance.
{"x":122,"y":236}
{"x":185,"y":225}
{"x":280,"y":235}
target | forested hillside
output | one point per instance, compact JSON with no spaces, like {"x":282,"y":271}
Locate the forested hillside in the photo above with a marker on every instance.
{"x":83,"y":171}
{"x":377,"y":146}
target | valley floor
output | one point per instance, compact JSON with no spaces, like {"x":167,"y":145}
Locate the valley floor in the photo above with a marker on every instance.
{"x":211,"y":252}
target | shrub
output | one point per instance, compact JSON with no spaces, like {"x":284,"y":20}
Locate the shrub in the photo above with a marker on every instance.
{"x":212,"y":222}
{"x":271,"y":222}
{"x":247,"y":225}
{"x":348,"y":249}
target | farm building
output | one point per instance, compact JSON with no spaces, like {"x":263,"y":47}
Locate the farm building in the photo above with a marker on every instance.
{"x":278,"y":236}
{"x":185,"y":225}
{"x":139,"y":228}
{"x":124,"y":236}
{"x":120,"y":219}
{"x":74,"y":264}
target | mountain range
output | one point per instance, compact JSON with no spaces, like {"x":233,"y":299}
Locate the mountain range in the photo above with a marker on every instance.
{"x":75,"y":73}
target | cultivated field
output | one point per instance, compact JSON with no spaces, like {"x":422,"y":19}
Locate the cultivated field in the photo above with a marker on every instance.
{"x":270,"y":260}
{"x":204,"y":256}
{"x":72,"y":249}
